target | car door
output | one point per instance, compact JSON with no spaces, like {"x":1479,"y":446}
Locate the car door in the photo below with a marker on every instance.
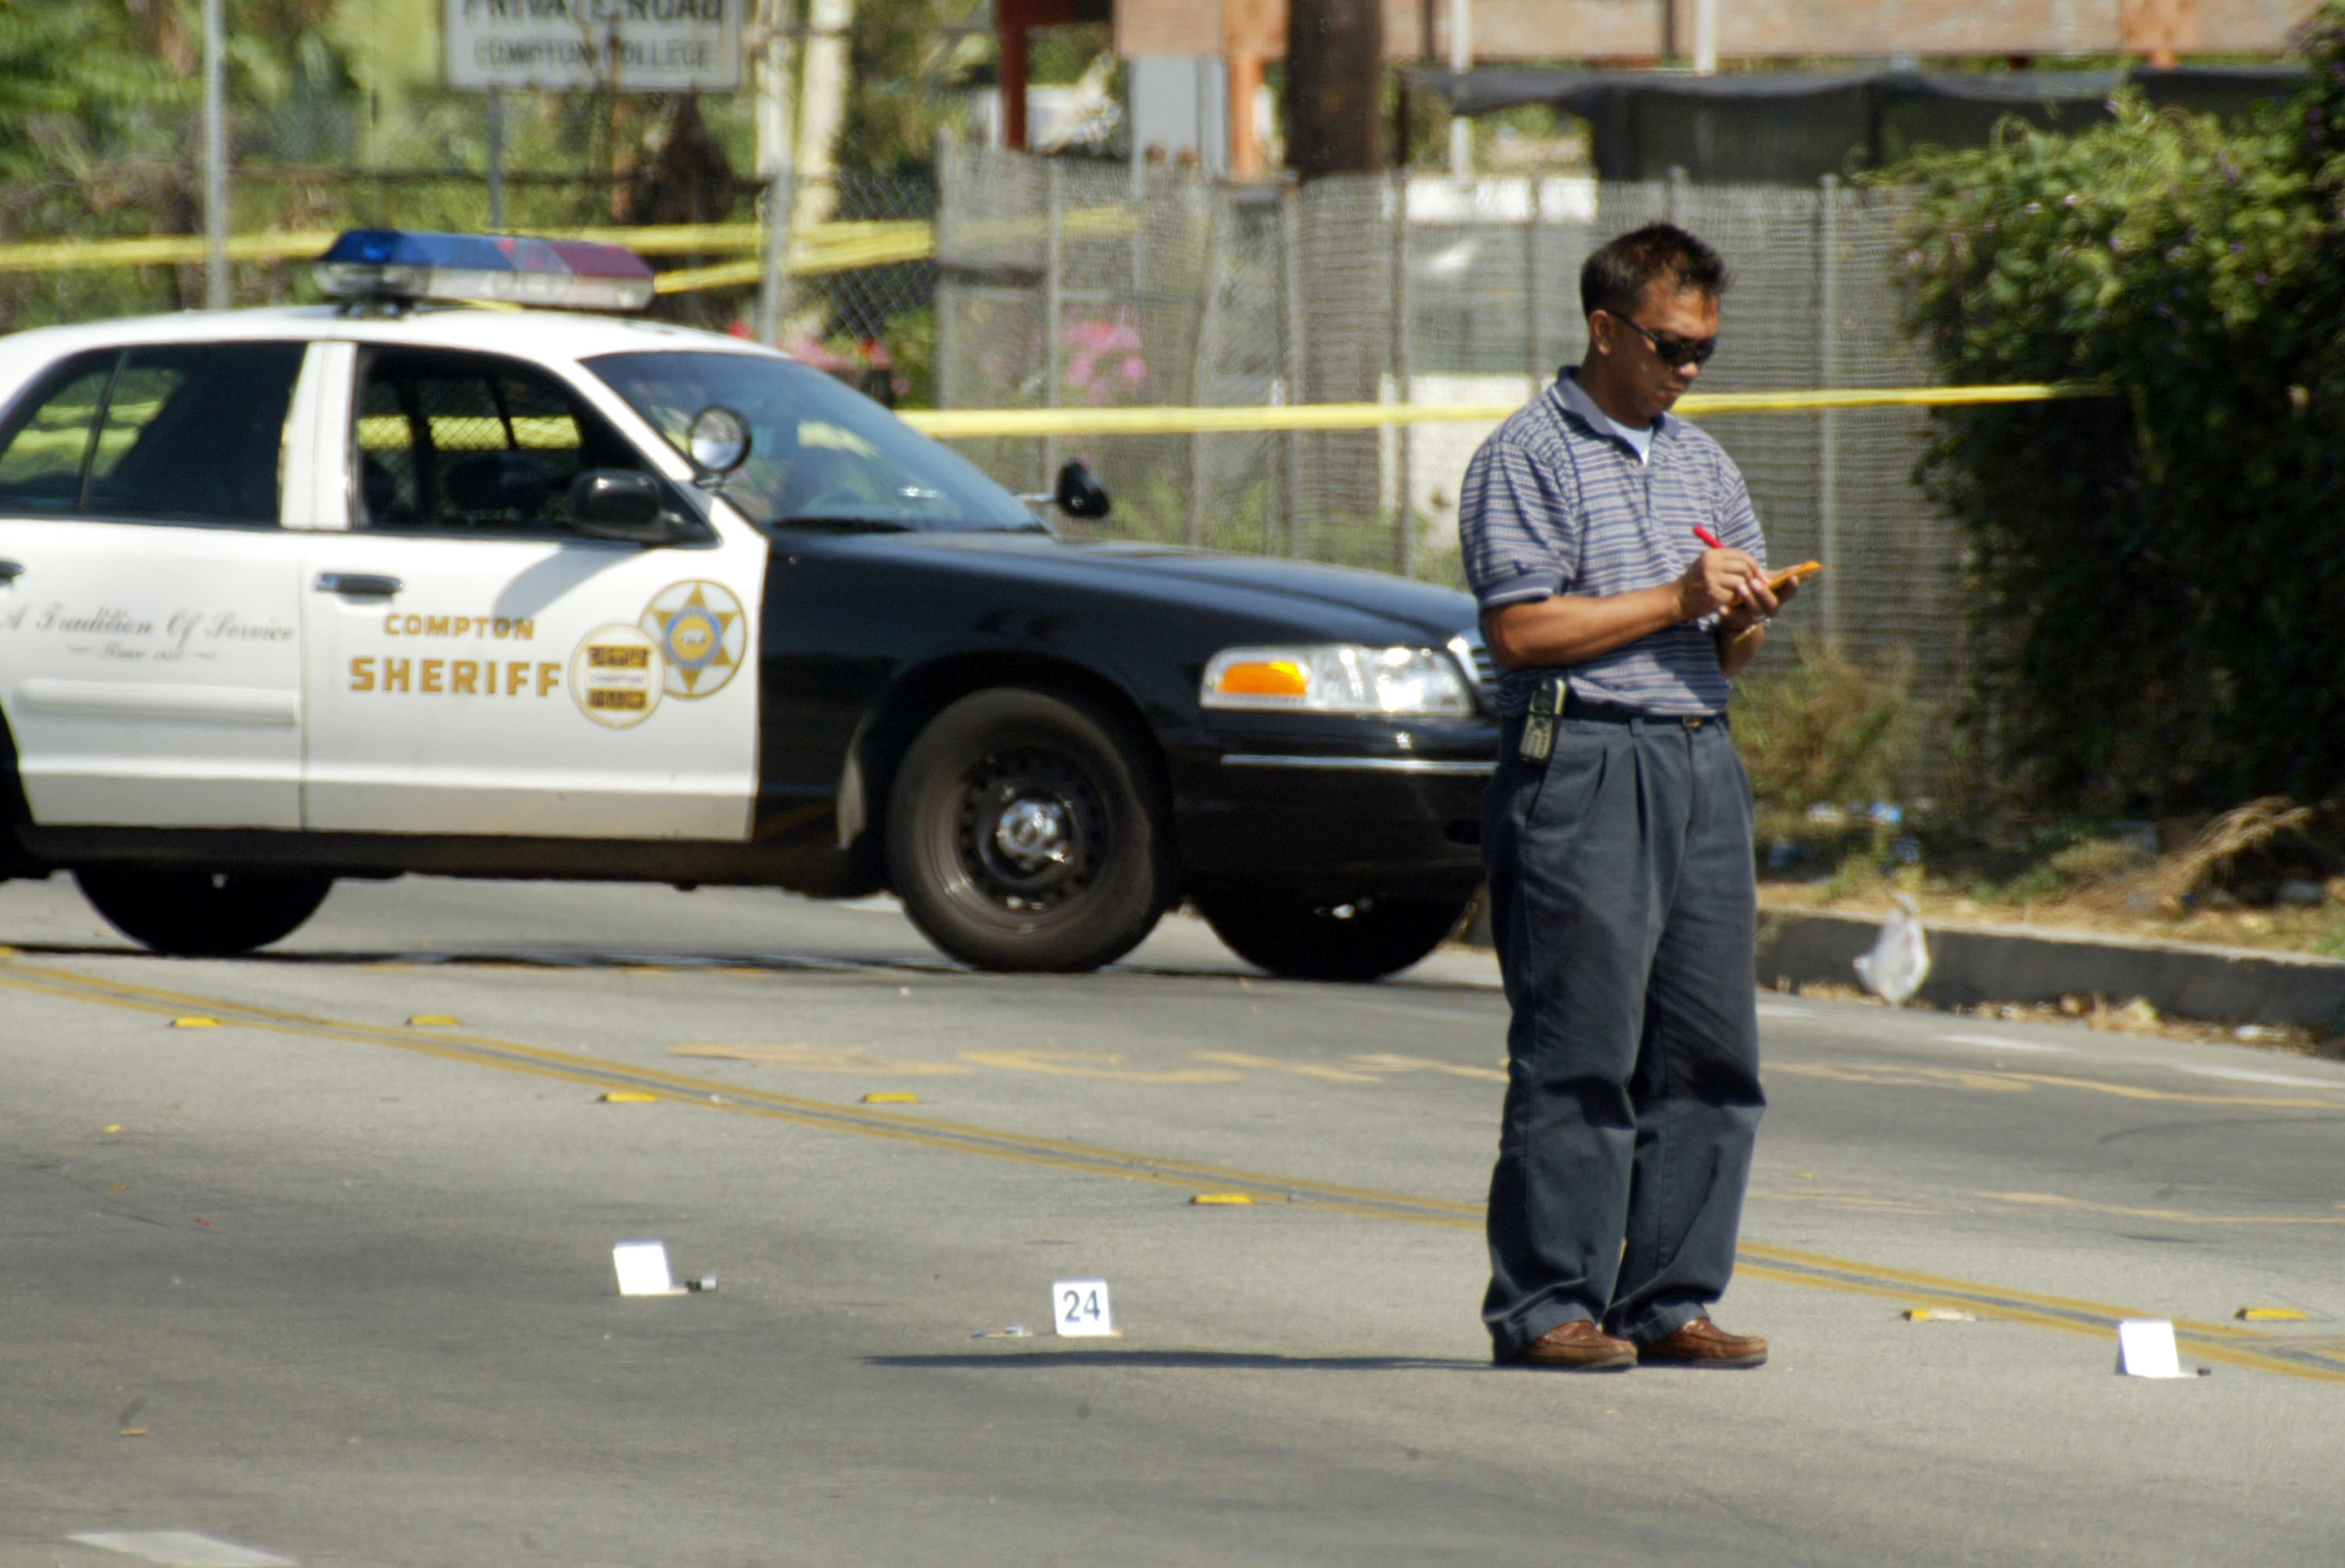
{"x":150,"y":652}
{"x":476,"y":666}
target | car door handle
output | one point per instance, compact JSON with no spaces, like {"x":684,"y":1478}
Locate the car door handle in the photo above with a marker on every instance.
{"x":10,"y":570}
{"x":358,"y":584}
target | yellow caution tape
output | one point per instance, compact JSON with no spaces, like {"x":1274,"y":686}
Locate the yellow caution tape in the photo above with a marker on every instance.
{"x":968,"y":424}
{"x":840,"y":245}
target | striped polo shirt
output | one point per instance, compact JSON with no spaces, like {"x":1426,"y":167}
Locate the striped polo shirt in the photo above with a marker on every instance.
{"x":1556,"y":501}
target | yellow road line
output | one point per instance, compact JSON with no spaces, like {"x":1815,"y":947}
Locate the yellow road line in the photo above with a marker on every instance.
{"x":1886,"y":1074}
{"x":2174,"y":1215}
{"x":2219,"y":1342}
{"x":970,"y":425}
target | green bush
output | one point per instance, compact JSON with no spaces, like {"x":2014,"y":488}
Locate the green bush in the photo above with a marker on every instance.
{"x":1820,"y":728}
{"x":2159,"y":578}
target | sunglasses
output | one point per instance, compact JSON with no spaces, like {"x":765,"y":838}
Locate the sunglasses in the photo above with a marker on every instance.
{"x":1674,"y":352}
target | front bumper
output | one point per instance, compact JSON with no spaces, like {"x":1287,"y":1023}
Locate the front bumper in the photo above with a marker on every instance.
{"x":1338,"y":809}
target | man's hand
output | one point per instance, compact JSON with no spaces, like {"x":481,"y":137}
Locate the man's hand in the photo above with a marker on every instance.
{"x":1720,"y":581}
{"x":1754,"y":612}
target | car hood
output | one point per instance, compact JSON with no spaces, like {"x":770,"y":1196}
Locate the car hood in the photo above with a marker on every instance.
{"x":1438,"y":612}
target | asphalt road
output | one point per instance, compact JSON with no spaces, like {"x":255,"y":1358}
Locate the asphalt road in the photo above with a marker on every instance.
{"x":349,"y":1275}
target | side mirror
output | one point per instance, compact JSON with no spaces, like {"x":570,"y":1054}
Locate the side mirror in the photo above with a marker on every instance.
{"x":1079,"y":492}
{"x":719,"y":441}
{"x":620,"y":504}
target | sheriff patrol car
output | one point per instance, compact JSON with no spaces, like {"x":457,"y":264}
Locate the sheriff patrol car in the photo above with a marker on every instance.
{"x":403,"y":585}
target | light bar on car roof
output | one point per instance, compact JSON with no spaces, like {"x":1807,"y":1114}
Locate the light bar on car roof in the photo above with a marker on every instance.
{"x":394,"y":264}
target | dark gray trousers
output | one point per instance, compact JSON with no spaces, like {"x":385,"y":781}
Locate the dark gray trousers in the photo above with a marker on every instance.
{"x":1623,"y":903}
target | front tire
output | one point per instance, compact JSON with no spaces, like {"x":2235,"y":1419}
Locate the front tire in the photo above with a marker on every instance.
{"x":202,"y":914}
{"x":1328,"y":938}
{"x":1025,"y":833}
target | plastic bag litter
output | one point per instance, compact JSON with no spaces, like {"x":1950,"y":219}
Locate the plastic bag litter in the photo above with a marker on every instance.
{"x":1900,"y":960}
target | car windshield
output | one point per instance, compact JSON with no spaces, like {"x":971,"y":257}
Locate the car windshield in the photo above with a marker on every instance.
{"x":821,"y":455}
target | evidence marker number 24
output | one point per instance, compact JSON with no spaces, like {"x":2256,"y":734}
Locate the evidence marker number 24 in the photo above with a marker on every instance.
{"x":1081,"y":1307}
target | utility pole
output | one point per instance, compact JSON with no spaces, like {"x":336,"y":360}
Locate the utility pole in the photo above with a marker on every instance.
{"x":822,"y":107}
{"x":1705,"y":37}
{"x":1335,"y":87}
{"x":776,"y":163}
{"x":215,"y":161}
{"x":1461,"y":60}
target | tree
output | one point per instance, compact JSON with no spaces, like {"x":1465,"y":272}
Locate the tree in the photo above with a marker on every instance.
{"x":2156,"y":574}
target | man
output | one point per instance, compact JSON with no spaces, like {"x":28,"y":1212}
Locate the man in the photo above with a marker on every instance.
{"x":1621,"y":578}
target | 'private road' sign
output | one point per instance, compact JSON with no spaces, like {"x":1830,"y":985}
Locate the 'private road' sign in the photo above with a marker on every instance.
{"x":632,"y":46}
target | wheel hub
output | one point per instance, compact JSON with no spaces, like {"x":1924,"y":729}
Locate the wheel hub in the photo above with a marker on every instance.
{"x":1033,"y":828}
{"x":1033,"y":833}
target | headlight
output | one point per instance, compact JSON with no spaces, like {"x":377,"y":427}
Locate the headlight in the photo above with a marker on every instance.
{"x":1337,"y":678}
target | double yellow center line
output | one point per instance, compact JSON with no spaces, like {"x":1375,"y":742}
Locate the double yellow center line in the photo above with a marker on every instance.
{"x":2211,"y":1341}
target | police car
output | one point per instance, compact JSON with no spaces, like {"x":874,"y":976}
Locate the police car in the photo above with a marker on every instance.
{"x":409,"y":583}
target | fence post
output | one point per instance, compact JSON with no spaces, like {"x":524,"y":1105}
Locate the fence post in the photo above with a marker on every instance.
{"x":216,"y":277}
{"x":1677,"y":197}
{"x":1054,"y":306}
{"x":496,"y":157}
{"x":1532,"y":281}
{"x":1828,"y":420}
{"x":1403,"y":387}
{"x":1290,"y":332}
{"x":940,"y":375}
{"x":1209,"y":325}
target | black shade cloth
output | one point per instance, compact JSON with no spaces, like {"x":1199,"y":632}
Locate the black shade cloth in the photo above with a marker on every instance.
{"x":1789,"y":127}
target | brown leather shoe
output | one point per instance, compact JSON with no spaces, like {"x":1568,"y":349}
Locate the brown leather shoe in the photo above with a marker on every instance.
{"x":1702,"y":1343}
{"x":1580,"y":1346}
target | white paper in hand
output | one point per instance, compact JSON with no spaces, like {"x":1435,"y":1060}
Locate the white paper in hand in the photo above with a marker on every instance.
{"x":2145,"y":1349}
{"x":1080,"y":1308}
{"x":1900,"y":960}
{"x":642,"y":1268}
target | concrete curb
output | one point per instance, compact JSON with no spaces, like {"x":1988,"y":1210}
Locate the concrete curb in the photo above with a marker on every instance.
{"x":1970,"y":964}
{"x":1974,"y":964}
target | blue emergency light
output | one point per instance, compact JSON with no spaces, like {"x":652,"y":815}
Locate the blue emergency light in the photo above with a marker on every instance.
{"x":398,"y":264}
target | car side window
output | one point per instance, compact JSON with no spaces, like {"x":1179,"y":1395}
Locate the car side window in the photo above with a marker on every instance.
{"x":472,"y":443}
{"x":172,"y":433}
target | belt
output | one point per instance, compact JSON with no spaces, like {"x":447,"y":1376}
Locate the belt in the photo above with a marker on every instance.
{"x":1612,"y":713}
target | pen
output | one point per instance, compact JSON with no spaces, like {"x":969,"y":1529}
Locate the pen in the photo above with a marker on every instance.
{"x":1715,"y":543}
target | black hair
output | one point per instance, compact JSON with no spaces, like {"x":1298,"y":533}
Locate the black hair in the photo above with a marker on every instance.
{"x":1617,"y":274}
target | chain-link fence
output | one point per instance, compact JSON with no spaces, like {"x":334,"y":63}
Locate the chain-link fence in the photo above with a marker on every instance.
{"x":565,"y":163}
{"x":1065,"y":283}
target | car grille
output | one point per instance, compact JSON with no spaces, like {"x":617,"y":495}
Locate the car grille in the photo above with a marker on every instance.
{"x":1469,"y":646}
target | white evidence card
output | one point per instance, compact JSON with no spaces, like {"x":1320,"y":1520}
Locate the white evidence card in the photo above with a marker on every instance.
{"x":642,"y":1268}
{"x":1080,"y":1308}
{"x":2145,"y":1349}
